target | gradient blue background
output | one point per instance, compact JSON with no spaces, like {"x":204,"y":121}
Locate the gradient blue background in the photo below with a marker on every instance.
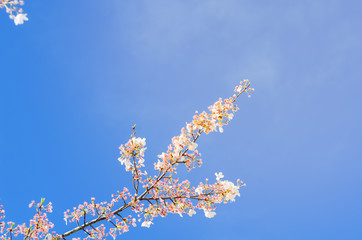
{"x":79,"y":74}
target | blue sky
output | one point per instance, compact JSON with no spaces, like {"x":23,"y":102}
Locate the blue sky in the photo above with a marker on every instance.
{"x":79,"y":74}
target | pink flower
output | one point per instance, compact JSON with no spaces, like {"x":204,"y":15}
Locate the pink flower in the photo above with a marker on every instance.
{"x":31,"y":204}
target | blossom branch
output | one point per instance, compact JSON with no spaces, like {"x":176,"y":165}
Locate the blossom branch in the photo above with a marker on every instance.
{"x":162,"y":194}
{"x":13,"y":7}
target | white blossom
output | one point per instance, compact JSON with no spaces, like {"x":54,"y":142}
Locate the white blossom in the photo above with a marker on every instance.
{"x":139,"y":141}
{"x":209,"y":214}
{"x":147,"y":224}
{"x":20,"y":18}
{"x":198,"y":190}
{"x":159,"y":165}
{"x":219,"y":176}
{"x":134,"y":222}
{"x":231,"y":191}
{"x":191,"y":212}
{"x":192,"y":146}
{"x":126,"y":162}
{"x":141,"y":161}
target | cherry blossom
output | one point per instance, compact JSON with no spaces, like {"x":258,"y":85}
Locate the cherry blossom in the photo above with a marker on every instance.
{"x":151,"y":196}
{"x":14,"y":10}
{"x":219,"y":176}
{"x":209,"y":214}
{"x":20,"y":18}
{"x":147,"y":224}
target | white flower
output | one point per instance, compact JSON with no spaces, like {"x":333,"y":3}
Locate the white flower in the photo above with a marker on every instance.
{"x":231,"y":190}
{"x":219,"y":176}
{"x":20,"y":18}
{"x":128,"y":165}
{"x":142,"y":151}
{"x":190,"y":127}
{"x":198,"y":190}
{"x":191,"y":212}
{"x":213,"y":125}
{"x":141,"y":161}
{"x":192,"y":146}
{"x":163,"y":156}
{"x":209,"y":214}
{"x":139,"y":141}
{"x":159,"y":165}
{"x":126,"y":162}
{"x":147,"y":224}
{"x":178,"y":149}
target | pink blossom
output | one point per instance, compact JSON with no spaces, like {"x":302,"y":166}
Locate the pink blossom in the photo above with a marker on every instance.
{"x":15,"y":12}
{"x":152,"y":196}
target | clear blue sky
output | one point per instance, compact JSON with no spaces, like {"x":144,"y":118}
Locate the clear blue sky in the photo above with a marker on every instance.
{"x":79,"y":74}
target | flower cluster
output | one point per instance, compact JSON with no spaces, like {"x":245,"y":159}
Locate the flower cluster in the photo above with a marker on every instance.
{"x":39,"y":225}
{"x":132,"y":153}
{"x":14,"y":10}
{"x":2,"y":223}
{"x":153,"y":196}
{"x":102,"y":210}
